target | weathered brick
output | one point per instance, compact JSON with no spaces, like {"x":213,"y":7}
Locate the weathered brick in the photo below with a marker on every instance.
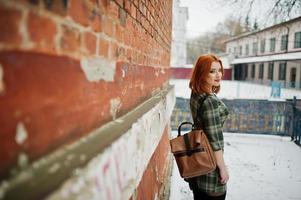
{"x":113,"y":10}
{"x":46,"y":108}
{"x":42,"y":31}
{"x":143,"y":21}
{"x":128,"y":6}
{"x":58,"y":7}
{"x":122,"y":16}
{"x":70,"y":40}
{"x":9,"y":26}
{"x":128,"y":54}
{"x":54,"y":99}
{"x":133,"y":11}
{"x":96,"y":23}
{"x":22,"y":1}
{"x":142,"y":8}
{"x":108,"y":26}
{"x":93,"y":2}
{"x":90,"y":42}
{"x":113,"y":50}
{"x":138,"y":16}
{"x":120,"y":53}
{"x":157,"y":171}
{"x":80,"y":12}
{"x":120,"y":3}
{"x":136,"y":2}
{"x":104,"y":3}
{"x":119,"y":33}
{"x":34,"y":2}
{"x":103,"y":47}
{"x":127,"y":38}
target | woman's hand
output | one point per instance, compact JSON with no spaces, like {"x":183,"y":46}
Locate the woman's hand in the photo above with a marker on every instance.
{"x":224,"y":175}
{"x":223,"y":172}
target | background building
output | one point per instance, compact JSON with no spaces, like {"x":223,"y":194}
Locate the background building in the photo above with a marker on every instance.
{"x":79,"y":117}
{"x":227,"y":67}
{"x":178,"y":46}
{"x":270,"y":55}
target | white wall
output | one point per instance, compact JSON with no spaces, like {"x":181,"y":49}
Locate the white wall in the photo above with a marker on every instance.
{"x":178,"y":45}
{"x":237,"y":90}
{"x":116,"y":172}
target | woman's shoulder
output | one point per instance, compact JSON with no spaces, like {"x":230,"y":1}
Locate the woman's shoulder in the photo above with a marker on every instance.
{"x":212,"y":100}
{"x":207,"y":99}
{"x":198,"y":95}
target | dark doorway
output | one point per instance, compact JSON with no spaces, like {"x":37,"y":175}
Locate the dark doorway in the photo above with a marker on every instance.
{"x":293,"y":77}
{"x":240,"y":71}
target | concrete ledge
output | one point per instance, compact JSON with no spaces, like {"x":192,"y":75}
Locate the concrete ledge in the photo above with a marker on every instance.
{"x":108,"y":162}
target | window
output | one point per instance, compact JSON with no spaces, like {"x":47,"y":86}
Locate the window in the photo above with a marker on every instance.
{"x":271,"y":71}
{"x":234,"y":50}
{"x":247,"y":49}
{"x":282,"y":71}
{"x":262,"y":46}
{"x":284,"y":39}
{"x":293,"y":77}
{"x":297,"y":40}
{"x":255,"y":48}
{"x":253,"y":71}
{"x":260,"y":75}
{"x":229,"y":50}
{"x":272,"y":44}
{"x":246,"y":70}
{"x":240,"y":50}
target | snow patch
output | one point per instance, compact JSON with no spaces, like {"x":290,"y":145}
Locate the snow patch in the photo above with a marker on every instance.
{"x":2,"y":85}
{"x":97,"y":69}
{"x":21,"y":134}
{"x":267,"y":165}
{"x":115,"y":105}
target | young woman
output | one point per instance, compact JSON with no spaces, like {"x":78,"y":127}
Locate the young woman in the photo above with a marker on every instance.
{"x":211,"y":112}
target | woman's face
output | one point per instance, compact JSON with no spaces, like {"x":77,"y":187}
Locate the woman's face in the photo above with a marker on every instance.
{"x":215,"y":74}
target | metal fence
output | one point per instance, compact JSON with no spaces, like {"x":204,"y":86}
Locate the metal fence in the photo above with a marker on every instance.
{"x":252,"y":116}
{"x":296,"y":134}
{"x":259,"y":116}
{"x":283,"y":84}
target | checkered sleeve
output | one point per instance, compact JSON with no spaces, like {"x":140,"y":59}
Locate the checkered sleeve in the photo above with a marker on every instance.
{"x":212,"y":123}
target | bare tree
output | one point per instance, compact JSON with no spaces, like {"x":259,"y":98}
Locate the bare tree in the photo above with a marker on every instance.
{"x":214,"y":42}
{"x":285,"y":7}
{"x":265,"y":12}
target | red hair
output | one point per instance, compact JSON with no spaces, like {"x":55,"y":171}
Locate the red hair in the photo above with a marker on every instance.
{"x":201,"y":71}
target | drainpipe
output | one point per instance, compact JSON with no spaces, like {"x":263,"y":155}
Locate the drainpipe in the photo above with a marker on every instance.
{"x":293,"y":119}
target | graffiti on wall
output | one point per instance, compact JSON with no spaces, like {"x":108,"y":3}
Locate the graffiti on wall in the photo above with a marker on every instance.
{"x":246,"y":116}
{"x":116,"y":172}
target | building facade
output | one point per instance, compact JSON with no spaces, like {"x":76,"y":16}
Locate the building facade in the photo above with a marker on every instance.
{"x":79,"y":118}
{"x":178,"y":46}
{"x":269,"y":55}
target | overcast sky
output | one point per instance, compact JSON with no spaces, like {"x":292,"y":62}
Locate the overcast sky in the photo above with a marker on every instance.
{"x":203,"y":16}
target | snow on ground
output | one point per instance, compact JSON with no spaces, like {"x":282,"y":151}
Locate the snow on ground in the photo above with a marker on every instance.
{"x":261,"y":167}
{"x":237,"y":89}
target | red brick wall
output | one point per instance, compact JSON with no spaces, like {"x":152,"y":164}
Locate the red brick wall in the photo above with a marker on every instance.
{"x":181,"y":73}
{"x":227,"y":74}
{"x":185,"y":73}
{"x":156,"y":175}
{"x":46,"y":99}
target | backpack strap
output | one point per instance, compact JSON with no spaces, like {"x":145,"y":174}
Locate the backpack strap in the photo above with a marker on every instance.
{"x":199,"y":113}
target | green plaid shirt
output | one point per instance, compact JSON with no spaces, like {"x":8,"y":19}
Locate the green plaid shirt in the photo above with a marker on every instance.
{"x":212,"y":115}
